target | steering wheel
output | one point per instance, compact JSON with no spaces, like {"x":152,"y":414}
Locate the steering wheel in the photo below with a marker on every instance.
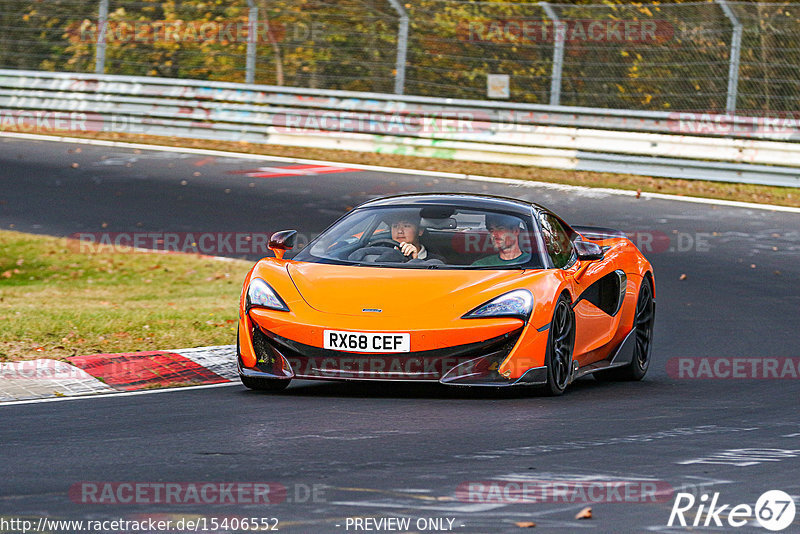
{"x":384,"y":242}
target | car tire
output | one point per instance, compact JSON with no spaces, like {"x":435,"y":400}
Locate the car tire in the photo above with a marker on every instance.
{"x":643,"y":321}
{"x":560,"y":346}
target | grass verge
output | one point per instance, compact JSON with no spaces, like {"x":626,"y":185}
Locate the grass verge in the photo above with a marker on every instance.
{"x":781,"y":196}
{"x":57,"y":300}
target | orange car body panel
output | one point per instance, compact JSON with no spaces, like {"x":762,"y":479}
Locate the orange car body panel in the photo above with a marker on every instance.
{"x":429,"y":305}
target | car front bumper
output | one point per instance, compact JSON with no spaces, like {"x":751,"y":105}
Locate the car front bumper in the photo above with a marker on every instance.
{"x":469,"y":352}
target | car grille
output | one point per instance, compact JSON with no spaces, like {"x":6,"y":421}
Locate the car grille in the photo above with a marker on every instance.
{"x":313,"y":362}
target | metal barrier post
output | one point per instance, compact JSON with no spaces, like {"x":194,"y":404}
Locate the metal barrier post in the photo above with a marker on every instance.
{"x":402,"y":48}
{"x":100,"y":50}
{"x":736,"y":46}
{"x":252,"y":40}
{"x":559,"y":38}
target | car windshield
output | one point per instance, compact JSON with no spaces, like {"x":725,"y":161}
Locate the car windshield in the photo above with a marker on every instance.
{"x":432,"y":237}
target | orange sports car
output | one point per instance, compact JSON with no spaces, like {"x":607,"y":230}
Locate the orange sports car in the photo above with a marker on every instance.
{"x":465,"y":290}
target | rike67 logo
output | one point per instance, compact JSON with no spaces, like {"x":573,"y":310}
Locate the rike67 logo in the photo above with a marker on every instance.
{"x":774,"y":510}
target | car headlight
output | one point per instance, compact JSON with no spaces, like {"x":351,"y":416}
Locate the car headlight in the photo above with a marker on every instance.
{"x":517,"y":303}
{"x":261,"y":295}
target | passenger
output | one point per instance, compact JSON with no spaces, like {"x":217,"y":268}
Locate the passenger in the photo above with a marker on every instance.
{"x":504,"y":230}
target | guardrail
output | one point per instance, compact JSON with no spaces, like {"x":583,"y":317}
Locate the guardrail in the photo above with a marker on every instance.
{"x":726,"y":148}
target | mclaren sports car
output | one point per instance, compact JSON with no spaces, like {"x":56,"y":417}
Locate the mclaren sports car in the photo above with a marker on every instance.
{"x":464,"y":290}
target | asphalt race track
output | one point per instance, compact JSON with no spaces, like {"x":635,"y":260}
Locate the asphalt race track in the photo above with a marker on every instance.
{"x":396,"y":451}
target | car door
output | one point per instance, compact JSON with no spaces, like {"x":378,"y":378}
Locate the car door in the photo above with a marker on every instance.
{"x":596,"y":287}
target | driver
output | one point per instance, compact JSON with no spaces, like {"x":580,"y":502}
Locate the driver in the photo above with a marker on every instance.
{"x":406,"y":231}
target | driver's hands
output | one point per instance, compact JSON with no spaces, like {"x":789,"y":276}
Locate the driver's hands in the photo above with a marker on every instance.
{"x":408,"y":250}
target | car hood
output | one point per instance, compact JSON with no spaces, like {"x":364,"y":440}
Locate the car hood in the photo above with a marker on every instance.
{"x":394,"y":291}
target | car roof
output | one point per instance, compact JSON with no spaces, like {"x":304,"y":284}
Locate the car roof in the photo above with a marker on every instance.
{"x":462,"y":200}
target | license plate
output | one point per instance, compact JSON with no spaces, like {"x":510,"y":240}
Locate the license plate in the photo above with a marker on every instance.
{"x":366,"y":341}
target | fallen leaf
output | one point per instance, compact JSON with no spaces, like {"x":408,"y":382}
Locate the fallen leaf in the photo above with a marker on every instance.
{"x":525,"y":524}
{"x":586,"y":513}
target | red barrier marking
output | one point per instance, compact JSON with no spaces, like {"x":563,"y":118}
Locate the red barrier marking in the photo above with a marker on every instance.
{"x":138,"y":370}
{"x":292,"y":170}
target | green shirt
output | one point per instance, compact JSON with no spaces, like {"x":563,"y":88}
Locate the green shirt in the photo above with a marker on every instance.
{"x":496,"y":261}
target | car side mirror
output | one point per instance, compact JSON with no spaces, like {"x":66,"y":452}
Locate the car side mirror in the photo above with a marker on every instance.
{"x":280,"y":242}
{"x":588,"y":251}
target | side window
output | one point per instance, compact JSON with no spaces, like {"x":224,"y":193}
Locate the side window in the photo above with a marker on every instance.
{"x":343,"y":236}
{"x":556,"y":239}
{"x":383,"y":231}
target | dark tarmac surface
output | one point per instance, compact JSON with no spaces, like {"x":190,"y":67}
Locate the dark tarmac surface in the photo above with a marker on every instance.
{"x":397,"y":451}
